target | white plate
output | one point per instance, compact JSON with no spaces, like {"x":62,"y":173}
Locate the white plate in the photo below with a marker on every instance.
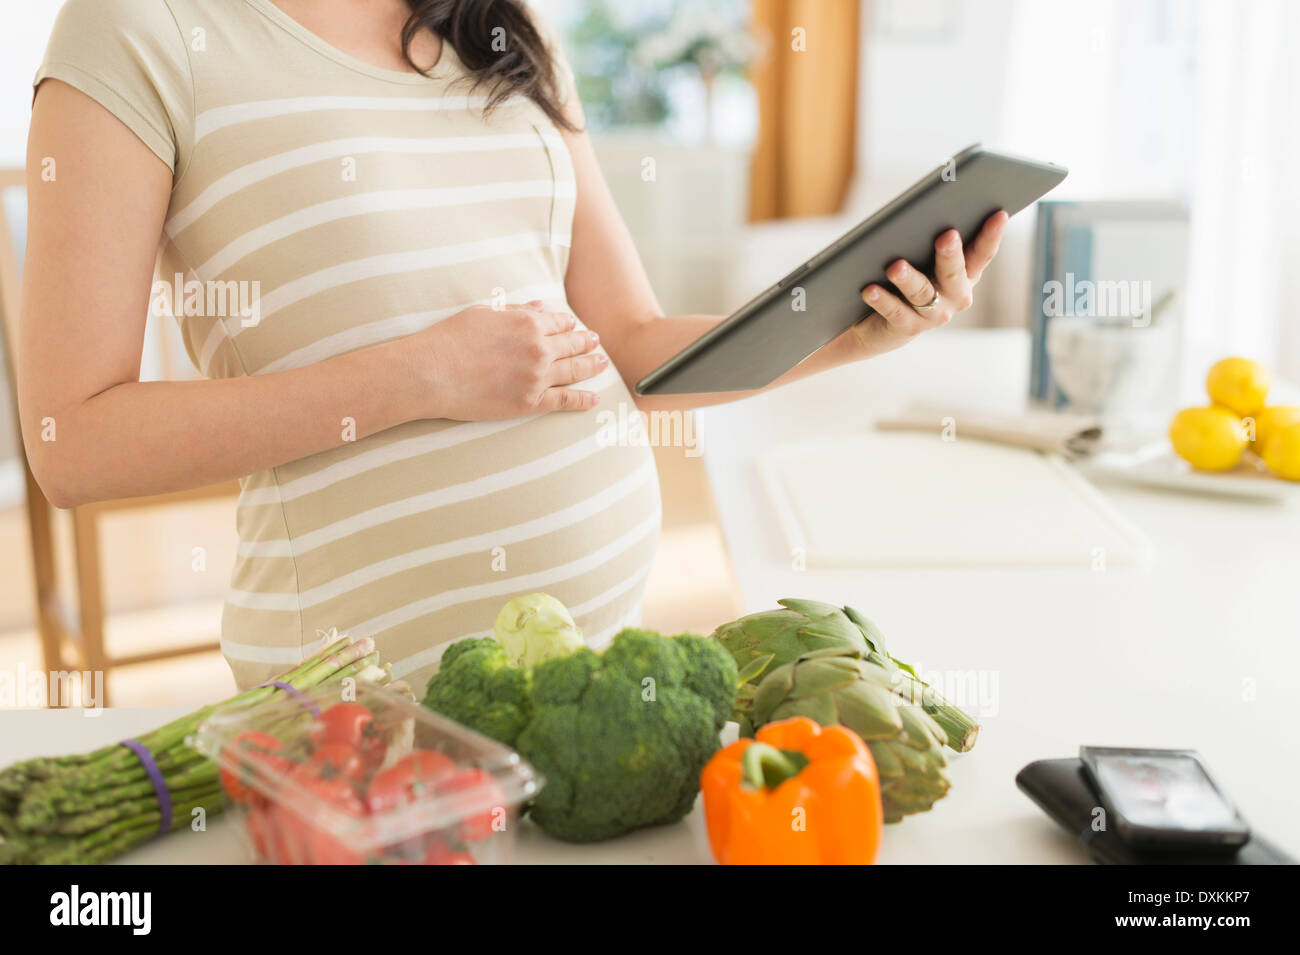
{"x":1164,"y":469}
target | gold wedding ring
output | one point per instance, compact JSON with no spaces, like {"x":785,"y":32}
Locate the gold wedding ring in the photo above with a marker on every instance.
{"x":928,"y":305}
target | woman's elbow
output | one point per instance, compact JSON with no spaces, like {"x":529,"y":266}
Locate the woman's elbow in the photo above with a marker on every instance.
{"x":56,"y":477}
{"x":57,"y":489}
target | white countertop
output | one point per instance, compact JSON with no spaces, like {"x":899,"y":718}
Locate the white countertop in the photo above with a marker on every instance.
{"x":1199,"y":650}
{"x":1161,"y":656}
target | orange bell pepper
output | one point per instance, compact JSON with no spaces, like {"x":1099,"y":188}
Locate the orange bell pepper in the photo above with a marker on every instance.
{"x":797,"y":794}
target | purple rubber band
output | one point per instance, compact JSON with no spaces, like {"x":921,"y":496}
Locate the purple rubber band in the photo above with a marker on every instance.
{"x":159,"y":783}
{"x":293,"y":691}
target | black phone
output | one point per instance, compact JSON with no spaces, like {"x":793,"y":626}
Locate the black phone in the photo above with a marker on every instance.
{"x":1163,"y":799}
{"x":1063,"y":790}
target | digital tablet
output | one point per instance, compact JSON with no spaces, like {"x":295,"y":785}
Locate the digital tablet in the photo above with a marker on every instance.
{"x":822,"y":298}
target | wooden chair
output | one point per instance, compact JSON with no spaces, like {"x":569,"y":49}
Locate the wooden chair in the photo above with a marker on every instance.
{"x":68,"y":641}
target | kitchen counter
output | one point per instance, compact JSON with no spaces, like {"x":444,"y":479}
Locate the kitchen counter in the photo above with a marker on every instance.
{"x":1196,"y":650}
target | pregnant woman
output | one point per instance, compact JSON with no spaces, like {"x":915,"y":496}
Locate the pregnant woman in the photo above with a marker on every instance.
{"x":395,"y":262}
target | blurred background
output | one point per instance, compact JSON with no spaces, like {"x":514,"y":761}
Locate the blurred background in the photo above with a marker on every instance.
{"x":739,"y":136}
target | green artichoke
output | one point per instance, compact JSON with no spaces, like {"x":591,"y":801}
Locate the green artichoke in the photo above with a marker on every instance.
{"x":760,"y":641}
{"x":779,"y":636}
{"x":814,"y":659}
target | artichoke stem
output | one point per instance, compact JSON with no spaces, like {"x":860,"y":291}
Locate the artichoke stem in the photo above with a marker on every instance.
{"x":960,"y":728}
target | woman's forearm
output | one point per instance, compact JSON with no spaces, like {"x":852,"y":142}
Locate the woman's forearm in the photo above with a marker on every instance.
{"x":141,"y":438}
{"x":649,"y":343}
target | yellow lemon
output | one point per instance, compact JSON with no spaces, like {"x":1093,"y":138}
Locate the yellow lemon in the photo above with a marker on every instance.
{"x":1270,"y":420}
{"x":1208,"y":438}
{"x":1282,"y":453}
{"x":1239,"y":384}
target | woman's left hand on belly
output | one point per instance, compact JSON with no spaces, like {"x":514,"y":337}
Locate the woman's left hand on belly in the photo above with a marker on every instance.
{"x":919,"y":302}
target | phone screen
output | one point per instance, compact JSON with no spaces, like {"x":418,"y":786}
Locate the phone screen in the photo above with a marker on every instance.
{"x":1163,"y":791}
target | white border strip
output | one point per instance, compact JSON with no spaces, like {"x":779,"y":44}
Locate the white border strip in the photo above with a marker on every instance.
{"x":255,"y":172}
{"x":523,"y":583}
{"x":399,"y":326}
{"x":366,"y":203}
{"x":390,"y":263}
{"x":399,"y":451}
{"x":529,"y":530}
{"x":211,"y":120}
{"x":423,"y":503}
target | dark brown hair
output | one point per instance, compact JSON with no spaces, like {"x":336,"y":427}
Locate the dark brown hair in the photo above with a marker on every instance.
{"x":478,"y":29}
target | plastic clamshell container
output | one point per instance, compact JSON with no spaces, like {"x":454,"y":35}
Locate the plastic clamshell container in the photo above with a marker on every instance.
{"x":429,"y":791}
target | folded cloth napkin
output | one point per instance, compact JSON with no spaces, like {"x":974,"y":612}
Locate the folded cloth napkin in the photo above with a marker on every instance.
{"x":1071,"y":435}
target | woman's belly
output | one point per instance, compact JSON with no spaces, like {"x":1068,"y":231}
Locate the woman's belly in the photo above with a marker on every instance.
{"x":418,"y":535}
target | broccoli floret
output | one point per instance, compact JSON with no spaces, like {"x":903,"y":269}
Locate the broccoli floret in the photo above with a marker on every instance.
{"x":621,"y":736}
{"x":710,"y":675}
{"x":476,"y":685}
{"x":564,"y":684}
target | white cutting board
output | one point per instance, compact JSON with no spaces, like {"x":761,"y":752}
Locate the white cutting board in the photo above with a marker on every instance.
{"x":902,"y":498}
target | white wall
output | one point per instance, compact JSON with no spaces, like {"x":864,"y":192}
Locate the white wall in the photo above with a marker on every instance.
{"x":1100,"y":86}
{"x":27,"y":24}
{"x":933,"y":81}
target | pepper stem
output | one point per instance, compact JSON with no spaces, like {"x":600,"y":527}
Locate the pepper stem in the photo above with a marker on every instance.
{"x":764,"y":766}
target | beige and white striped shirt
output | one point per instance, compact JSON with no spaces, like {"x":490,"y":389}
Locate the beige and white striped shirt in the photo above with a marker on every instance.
{"x":349,"y":205}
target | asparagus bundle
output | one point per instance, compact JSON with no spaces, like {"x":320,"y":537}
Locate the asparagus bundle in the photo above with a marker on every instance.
{"x":90,"y":807}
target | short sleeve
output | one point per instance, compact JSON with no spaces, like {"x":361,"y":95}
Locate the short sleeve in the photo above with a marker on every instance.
{"x":565,"y":84}
{"x":130,"y":57}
